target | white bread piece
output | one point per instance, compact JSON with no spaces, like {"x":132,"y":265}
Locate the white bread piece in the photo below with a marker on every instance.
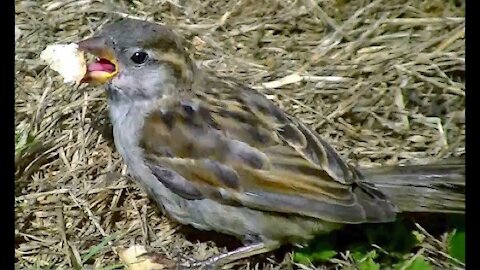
{"x":67,"y":60}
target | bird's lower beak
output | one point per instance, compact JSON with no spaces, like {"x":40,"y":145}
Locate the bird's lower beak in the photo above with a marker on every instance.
{"x":105,"y":66}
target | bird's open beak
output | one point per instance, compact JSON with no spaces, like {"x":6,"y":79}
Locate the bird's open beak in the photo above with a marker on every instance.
{"x":105,"y":66}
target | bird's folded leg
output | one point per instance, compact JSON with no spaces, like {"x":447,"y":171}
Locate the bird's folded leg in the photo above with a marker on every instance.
{"x":216,"y":262}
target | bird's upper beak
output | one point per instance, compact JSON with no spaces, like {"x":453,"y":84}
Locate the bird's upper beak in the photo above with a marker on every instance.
{"x":105,"y":66}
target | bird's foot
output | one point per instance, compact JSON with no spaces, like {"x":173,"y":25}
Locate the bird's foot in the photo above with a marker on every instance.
{"x":193,"y":264}
{"x":216,"y":262}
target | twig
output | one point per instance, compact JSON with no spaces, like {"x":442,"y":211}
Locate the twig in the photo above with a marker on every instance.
{"x":65,"y":190}
{"x":438,"y":84}
{"x":75,"y":260}
{"x":459,"y":34}
{"x":295,"y":78}
{"x":420,"y":21}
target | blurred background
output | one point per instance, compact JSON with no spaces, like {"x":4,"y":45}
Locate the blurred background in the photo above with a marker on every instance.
{"x":382,"y":81}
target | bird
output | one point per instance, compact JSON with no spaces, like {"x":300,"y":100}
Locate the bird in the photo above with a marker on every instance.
{"x":218,"y":155}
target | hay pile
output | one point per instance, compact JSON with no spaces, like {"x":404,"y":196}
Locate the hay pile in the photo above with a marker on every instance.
{"x":382,"y":81}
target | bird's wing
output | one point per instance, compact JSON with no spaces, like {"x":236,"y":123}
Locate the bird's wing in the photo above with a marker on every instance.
{"x":238,"y":148}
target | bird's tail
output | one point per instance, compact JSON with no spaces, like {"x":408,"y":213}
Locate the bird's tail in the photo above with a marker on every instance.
{"x":422,"y":188}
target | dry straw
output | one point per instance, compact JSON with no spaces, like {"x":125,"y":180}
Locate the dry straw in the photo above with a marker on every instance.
{"x":382,"y":81}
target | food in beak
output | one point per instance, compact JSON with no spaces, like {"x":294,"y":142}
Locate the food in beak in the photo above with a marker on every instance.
{"x":67,"y":60}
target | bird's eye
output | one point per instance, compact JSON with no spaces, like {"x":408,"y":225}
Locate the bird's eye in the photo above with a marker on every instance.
{"x":139,"y":57}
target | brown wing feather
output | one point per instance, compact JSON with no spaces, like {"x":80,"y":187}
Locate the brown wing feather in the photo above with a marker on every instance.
{"x":238,"y":147}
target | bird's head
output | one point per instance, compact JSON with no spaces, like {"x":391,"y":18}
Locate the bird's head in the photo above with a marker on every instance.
{"x":138,"y":59}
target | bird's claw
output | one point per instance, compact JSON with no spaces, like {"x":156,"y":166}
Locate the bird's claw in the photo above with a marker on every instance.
{"x":196,"y":265}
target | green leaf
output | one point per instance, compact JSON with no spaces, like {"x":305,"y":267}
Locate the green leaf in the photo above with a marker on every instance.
{"x":323,"y":255}
{"x":420,"y":263}
{"x":299,"y":257}
{"x":319,"y":251}
{"x":456,"y":246}
{"x":96,"y":249}
{"x":366,"y":262}
{"x":23,"y":141}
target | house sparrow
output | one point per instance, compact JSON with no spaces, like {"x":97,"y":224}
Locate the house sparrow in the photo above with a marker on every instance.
{"x":218,"y":155}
